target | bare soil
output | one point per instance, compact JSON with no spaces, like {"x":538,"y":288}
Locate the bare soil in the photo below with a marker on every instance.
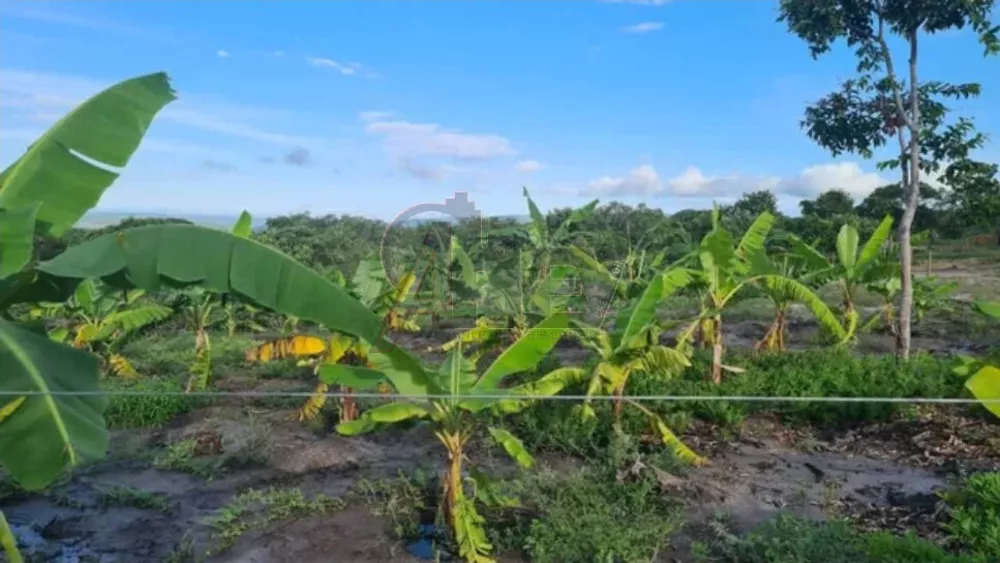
{"x":886,"y":476}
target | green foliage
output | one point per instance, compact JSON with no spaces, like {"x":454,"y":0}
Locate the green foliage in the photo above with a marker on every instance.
{"x":45,"y":192}
{"x":975,"y":513}
{"x":149,"y":408}
{"x":787,"y":539}
{"x":816,"y":373}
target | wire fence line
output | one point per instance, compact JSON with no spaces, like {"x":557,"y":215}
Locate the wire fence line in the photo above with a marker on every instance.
{"x":511,"y":396}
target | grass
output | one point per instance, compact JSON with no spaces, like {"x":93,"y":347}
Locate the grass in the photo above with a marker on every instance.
{"x":151,"y":409}
{"x":256,"y":509}
{"x":556,"y":425}
{"x":788,"y":539}
{"x":975,"y":514}
{"x":135,"y":498}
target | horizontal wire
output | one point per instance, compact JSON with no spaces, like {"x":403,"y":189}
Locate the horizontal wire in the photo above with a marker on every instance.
{"x":498,"y":396}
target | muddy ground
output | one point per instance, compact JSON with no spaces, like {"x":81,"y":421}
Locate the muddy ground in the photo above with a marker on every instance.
{"x":885,"y":476}
{"x":138,"y":505}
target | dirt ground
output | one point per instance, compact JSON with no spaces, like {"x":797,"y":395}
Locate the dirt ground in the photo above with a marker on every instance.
{"x":883,"y":475}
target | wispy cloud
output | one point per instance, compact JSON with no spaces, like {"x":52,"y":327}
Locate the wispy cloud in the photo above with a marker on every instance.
{"x":221,"y":53}
{"x":406,"y":138}
{"x":299,"y":156}
{"x":374,"y":115}
{"x":529,"y":166}
{"x":22,"y":11}
{"x":420,"y":170}
{"x":217,"y":166}
{"x":347,"y":69}
{"x":30,"y":93}
{"x":644,"y":27}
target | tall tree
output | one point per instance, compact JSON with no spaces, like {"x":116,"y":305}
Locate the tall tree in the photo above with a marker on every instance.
{"x":975,"y":193}
{"x":880,"y":104}
{"x":829,"y":204}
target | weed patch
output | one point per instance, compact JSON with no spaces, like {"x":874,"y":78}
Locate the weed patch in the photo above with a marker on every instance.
{"x":150,"y":409}
{"x":256,"y":509}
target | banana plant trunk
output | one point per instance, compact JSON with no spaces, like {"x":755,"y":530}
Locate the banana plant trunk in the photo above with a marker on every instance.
{"x":774,"y":339}
{"x":451,"y":486}
{"x":717,"y":349}
{"x":348,"y":405}
{"x":619,"y":401}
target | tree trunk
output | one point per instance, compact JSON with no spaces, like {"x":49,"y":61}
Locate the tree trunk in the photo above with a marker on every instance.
{"x":912,"y":201}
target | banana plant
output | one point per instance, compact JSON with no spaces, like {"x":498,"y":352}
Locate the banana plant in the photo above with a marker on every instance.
{"x":784,"y":279}
{"x":853,"y":268}
{"x":101,"y":321}
{"x":510,"y":305}
{"x":372,"y":288}
{"x":46,"y":191}
{"x":546,"y":243}
{"x":983,"y":373}
{"x":728,"y":269}
{"x":457,"y":394}
{"x":633,"y":346}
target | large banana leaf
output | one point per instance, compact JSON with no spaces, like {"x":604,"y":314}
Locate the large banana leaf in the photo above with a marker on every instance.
{"x":847,"y":248}
{"x":46,"y":434}
{"x":525,"y":353}
{"x":17,"y":238}
{"x":539,"y":229}
{"x":755,"y":237}
{"x":632,"y":321}
{"x":107,"y":129}
{"x":177,"y":255}
{"x":875,"y":243}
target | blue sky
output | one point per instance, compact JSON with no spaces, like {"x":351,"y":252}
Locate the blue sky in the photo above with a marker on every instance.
{"x":372,"y":107}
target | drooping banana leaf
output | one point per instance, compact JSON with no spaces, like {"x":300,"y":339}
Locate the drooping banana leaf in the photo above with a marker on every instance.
{"x":46,"y":434}
{"x":107,"y":129}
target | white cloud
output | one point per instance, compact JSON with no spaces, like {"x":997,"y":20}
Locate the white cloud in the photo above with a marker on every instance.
{"x":847,"y":176}
{"x":641,"y":181}
{"x":374,"y":115}
{"x":278,"y":54}
{"x":222,"y":53}
{"x":529,"y":166}
{"x":347,"y":69}
{"x":430,"y":139}
{"x":644,"y":27}
{"x":692,"y":182}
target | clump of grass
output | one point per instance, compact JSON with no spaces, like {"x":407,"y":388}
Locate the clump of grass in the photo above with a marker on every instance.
{"x":975,"y":513}
{"x":136,"y":498}
{"x":605,"y":512}
{"x":256,"y":509}
{"x":150,"y":409}
{"x":180,"y":456}
{"x":406,"y":501}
